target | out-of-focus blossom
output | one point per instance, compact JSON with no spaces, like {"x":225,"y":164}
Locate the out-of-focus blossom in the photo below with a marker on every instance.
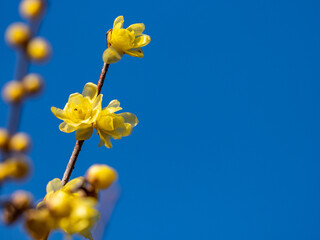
{"x":125,"y":41}
{"x":110,"y":125}
{"x":13,"y":91}
{"x":32,"y":83}
{"x":4,"y":138}
{"x":38,"y":49}
{"x":16,"y":167}
{"x":80,"y":112}
{"x":38,"y":223}
{"x":31,"y":9}
{"x":20,"y":142}
{"x":101,"y":176}
{"x":17,"y":34}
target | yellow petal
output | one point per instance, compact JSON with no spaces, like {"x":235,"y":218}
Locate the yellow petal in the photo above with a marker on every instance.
{"x":75,"y":98}
{"x":64,"y":127}
{"x":59,"y":113}
{"x":105,"y":138}
{"x":97,"y":102}
{"x":142,"y":41}
{"x":54,"y":185}
{"x":129,"y":118}
{"x":113,"y":106}
{"x":137,"y":28}
{"x":135,"y":52}
{"x":118,"y":22}
{"x":73,"y":184}
{"x":84,"y":133}
{"x":111,"y":55}
{"x":90,"y":90}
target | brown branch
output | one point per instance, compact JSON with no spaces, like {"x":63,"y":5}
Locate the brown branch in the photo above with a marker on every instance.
{"x":77,"y":147}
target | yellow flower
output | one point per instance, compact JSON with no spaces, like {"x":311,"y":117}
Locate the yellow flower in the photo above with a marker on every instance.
{"x":110,"y":125}
{"x":31,"y":9}
{"x":38,"y":49}
{"x":20,"y":142}
{"x":80,"y":112}
{"x":15,"y":167}
{"x":101,"y":176}
{"x":17,"y":34}
{"x":13,"y":91}
{"x":69,"y":210}
{"x":127,"y":41}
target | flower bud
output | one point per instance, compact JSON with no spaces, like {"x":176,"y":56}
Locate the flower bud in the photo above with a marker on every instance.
{"x":32,"y":83}
{"x":59,"y":204}
{"x":38,"y":222}
{"x":38,"y":49}
{"x":4,"y":138}
{"x":101,"y":176}
{"x":31,"y":9}
{"x":20,"y":142}
{"x":22,"y":200}
{"x":14,"y":168}
{"x":13,"y":91}
{"x":17,"y":34}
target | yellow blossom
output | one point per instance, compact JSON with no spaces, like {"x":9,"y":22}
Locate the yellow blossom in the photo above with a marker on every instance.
{"x":17,"y":34}
{"x":38,"y":49}
{"x":80,"y":112}
{"x":101,"y":176}
{"x":16,"y":167}
{"x":110,"y":125}
{"x":30,"y":9}
{"x":32,"y":83}
{"x":125,"y":41}
{"x":13,"y":91}
{"x":38,"y":223}
{"x":20,"y":142}
{"x":4,"y":138}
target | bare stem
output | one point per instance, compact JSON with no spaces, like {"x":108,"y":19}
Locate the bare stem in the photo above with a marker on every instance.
{"x":77,"y":147}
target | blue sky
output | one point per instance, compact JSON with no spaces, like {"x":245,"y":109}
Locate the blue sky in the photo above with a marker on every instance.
{"x":228,"y":101}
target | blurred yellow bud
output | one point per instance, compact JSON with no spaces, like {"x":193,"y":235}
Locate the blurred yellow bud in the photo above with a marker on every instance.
{"x":38,"y":49}
{"x":13,"y":91}
{"x":14,"y":167}
{"x":30,"y":9}
{"x":101,"y":176}
{"x":32,"y":83}
{"x":20,"y":142}
{"x":38,"y":222}
{"x":21,"y":199}
{"x":17,"y":34}
{"x":4,"y":138}
{"x":59,"y":204}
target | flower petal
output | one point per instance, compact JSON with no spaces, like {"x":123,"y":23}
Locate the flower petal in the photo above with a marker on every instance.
{"x":75,"y":98}
{"x":137,"y":28}
{"x":113,"y":106}
{"x":142,"y":41}
{"x":73,"y":184}
{"x":111,"y":55}
{"x":90,"y":90}
{"x":105,"y":138}
{"x":135,"y":52}
{"x":84,"y":133}
{"x":54,"y":185}
{"x":64,"y":127}
{"x":59,"y":113}
{"x":97,"y":102}
{"x":129,"y":118}
{"x":118,"y":22}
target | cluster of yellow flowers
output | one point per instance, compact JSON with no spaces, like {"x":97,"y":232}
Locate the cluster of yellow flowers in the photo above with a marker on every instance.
{"x":83,"y":112}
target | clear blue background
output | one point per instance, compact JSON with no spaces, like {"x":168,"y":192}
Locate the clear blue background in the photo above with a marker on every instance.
{"x":228,"y":100}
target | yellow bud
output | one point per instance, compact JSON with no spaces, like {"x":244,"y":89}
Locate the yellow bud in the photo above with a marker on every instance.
{"x":31,"y":9}
{"x":32,"y":83}
{"x":13,"y":91}
{"x":17,"y":34}
{"x":14,"y":167}
{"x":39,"y":49}
{"x":20,"y":142}
{"x":38,"y":222}
{"x":59,"y":204}
{"x":21,"y":199}
{"x":101,"y":176}
{"x":4,"y":138}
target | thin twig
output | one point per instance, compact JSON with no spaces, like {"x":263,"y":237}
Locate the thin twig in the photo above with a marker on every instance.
{"x":79,"y":143}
